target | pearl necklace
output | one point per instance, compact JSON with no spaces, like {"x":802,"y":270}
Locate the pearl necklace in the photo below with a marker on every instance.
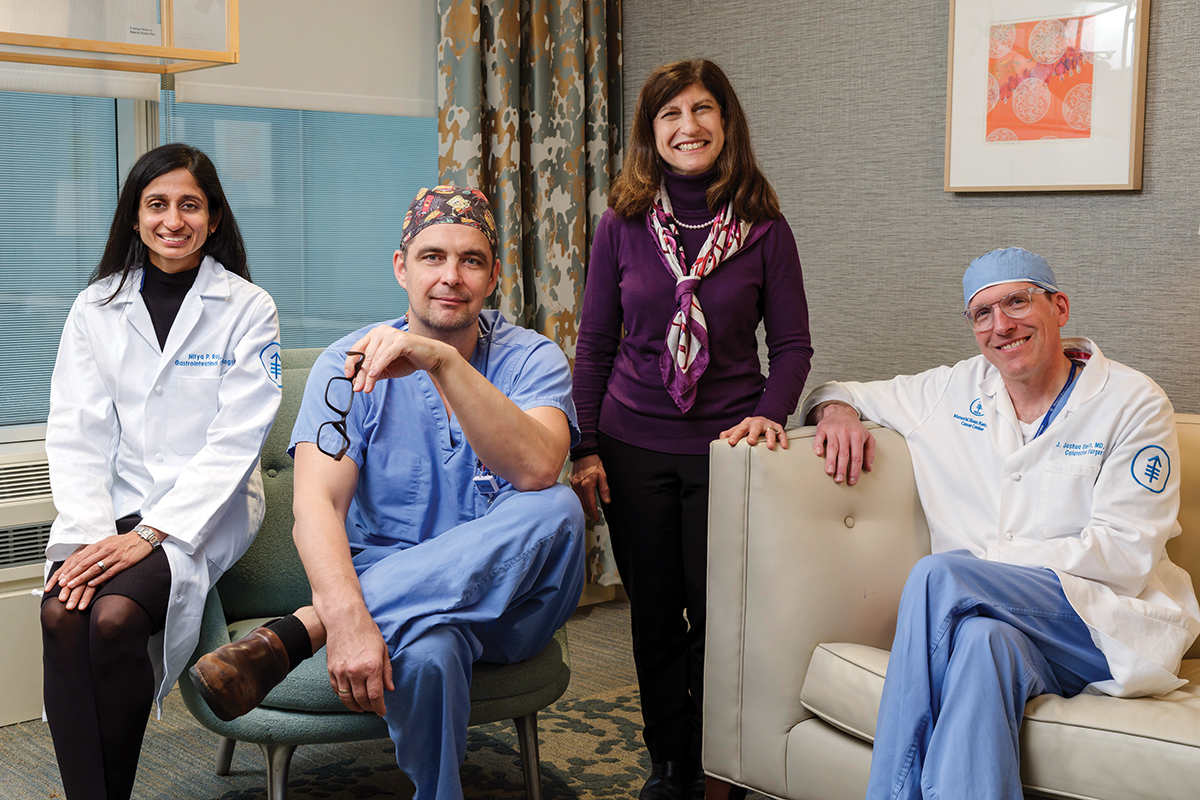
{"x":699,"y":227}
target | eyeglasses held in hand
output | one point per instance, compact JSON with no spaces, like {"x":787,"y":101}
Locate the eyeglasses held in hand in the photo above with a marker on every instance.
{"x":339,"y":396}
{"x":1014,"y":304}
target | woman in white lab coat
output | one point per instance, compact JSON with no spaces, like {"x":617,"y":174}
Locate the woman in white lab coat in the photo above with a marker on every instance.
{"x":165,"y":387}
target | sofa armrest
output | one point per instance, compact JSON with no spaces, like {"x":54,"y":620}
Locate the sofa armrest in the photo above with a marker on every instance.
{"x":795,"y":560}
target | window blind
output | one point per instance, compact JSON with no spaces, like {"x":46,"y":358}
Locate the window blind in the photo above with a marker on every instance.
{"x":58,"y":188}
{"x":320,"y":198}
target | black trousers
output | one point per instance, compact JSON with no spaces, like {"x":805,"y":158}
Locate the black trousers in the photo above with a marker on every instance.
{"x":658,"y":520}
{"x":99,"y":679}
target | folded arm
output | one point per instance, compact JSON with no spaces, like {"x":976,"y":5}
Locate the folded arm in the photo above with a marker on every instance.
{"x":526,"y":448}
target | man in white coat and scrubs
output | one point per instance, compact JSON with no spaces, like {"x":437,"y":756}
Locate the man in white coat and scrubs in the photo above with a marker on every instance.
{"x":1049,"y":477}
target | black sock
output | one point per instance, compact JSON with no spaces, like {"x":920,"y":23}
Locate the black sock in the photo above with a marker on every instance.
{"x":295,"y":638}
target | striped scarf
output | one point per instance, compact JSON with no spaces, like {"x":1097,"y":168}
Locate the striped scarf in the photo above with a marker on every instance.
{"x":685,"y":354}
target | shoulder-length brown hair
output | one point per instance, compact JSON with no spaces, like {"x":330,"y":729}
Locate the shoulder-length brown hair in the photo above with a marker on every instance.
{"x":738,"y":177}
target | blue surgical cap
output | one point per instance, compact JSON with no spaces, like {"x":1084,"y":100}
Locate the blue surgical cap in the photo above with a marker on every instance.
{"x":1007,"y":265}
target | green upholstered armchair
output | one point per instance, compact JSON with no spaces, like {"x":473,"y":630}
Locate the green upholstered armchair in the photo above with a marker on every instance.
{"x":269,"y":581}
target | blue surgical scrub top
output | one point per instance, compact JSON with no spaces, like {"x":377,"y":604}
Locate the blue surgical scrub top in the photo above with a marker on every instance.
{"x":416,"y":468}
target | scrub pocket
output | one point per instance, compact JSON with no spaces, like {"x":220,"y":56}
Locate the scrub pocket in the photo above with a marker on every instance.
{"x":402,"y":489}
{"x":192,"y":404}
{"x":1067,"y":488}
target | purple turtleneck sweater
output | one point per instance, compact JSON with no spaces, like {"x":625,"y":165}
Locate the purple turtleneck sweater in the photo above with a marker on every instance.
{"x":618,"y":382}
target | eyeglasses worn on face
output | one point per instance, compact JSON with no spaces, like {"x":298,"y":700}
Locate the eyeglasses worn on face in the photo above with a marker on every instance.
{"x":1014,"y":304}
{"x":339,"y":396}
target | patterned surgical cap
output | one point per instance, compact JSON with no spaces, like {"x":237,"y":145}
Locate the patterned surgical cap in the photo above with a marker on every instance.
{"x":450,"y":204}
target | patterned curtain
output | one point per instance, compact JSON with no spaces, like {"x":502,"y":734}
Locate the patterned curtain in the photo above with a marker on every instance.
{"x":530,"y":113}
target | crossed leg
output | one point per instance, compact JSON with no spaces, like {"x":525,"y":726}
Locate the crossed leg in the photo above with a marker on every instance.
{"x":974,"y":640}
{"x":494,"y":588}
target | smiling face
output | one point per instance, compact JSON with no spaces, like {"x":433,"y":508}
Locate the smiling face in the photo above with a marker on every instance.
{"x":448,"y":272}
{"x":689,"y":132}
{"x":174,"y":221}
{"x":1024,"y":349}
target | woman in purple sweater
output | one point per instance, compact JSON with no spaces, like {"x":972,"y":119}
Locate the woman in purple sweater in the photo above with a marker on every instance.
{"x":691,"y":255}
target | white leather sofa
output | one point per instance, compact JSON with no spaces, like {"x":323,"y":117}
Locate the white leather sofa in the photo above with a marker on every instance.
{"x":804,"y":579}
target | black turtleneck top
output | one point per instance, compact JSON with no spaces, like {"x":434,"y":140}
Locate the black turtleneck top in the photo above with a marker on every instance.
{"x":163,"y":294}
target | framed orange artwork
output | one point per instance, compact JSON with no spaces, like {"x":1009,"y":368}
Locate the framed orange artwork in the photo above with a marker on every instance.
{"x":1045,"y":95}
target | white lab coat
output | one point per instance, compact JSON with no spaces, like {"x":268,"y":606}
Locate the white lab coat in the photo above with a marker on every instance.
{"x":1083,"y":499}
{"x":173,"y":434}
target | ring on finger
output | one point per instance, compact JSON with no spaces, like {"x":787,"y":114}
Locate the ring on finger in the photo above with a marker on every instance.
{"x":344,"y":691}
{"x":100,"y":564}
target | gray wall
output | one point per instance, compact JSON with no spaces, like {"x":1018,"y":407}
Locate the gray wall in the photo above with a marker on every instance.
{"x":847,"y":105}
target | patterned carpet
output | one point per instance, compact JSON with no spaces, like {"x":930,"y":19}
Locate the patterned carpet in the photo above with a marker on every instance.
{"x":590,"y":748}
{"x":591,"y":744}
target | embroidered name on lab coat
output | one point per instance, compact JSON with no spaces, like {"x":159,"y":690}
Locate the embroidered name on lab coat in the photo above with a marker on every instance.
{"x":204,"y":360}
{"x":1080,"y":448}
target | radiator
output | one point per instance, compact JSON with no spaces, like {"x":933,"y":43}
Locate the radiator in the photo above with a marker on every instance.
{"x":26,"y":511}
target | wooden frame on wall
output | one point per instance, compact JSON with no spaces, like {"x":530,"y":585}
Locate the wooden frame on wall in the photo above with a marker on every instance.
{"x":164,"y":59}
{"x":1045,"y":95}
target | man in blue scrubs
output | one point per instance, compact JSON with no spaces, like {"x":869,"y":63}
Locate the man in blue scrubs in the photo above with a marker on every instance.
{"x":441,"y":536}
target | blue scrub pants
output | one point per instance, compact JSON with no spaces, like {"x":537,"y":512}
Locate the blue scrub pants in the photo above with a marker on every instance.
{"x":975,"y":639}
{"x":493,"y":589}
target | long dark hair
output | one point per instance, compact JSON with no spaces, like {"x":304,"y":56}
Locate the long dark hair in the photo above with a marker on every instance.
{"x":126,"y":251}
{"x":738,"y":177}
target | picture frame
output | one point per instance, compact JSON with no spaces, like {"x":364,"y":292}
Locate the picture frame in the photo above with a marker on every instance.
{"x":1045,"y":95}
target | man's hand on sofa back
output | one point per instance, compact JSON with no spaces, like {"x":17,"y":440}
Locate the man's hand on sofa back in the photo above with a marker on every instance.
{"x":846,"y":444}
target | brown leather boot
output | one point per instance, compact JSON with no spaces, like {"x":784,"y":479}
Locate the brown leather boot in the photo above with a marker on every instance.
{"x":234,"y":678}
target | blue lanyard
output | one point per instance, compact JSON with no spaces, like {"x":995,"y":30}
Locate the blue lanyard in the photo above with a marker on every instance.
{"x":1059,"y":401}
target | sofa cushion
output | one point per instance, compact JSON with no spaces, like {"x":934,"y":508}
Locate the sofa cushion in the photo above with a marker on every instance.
{"x":1084,"y":746}
{"x":843,"y":686}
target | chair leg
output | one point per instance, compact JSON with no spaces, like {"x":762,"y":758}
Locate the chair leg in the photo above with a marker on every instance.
{"x":279,"y":758}
{"x":224,"y":754}
{"x":531,"y":765}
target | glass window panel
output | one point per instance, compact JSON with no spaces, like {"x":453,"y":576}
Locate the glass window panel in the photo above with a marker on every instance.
{"x":58,"y":188}
{"x":320,"y":198}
